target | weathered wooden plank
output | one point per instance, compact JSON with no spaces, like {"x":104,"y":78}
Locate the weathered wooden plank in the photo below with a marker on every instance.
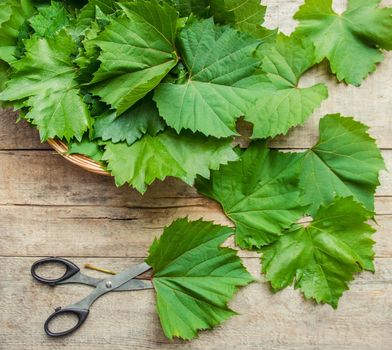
{"x":89,"y":231}
{"x":44,"y":178}
{"x":266,"y":321}
{"x":49,"y":207}
{"x":112,"y":231}
{"x":18,"y":135}
{"x":383,"y":205}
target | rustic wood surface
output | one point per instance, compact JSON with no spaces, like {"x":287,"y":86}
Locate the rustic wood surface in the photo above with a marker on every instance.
{"x":50,"y":207}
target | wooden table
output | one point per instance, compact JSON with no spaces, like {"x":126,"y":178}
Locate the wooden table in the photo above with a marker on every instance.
{"x":50,"y":207}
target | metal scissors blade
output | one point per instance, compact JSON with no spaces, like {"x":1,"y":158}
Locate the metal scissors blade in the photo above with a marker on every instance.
{"x":135,"y":285}
{"x":124,"y":281}
{"x":123,"y":277}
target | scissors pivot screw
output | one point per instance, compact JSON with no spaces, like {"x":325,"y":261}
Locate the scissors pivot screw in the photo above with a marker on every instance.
{"x":124,"y":281}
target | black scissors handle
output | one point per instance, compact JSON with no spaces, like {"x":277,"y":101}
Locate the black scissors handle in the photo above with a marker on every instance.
{"x":70,"y":270}
{"x":124,"y":281}
{"x":81,"y":314}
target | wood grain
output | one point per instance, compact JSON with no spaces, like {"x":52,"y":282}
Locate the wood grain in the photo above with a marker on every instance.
{"x":266,"y":321}
{"x":18,"y":135}
{"x":113,"y":232}
{"x":53,"y":181}
{"x":51,"y":207}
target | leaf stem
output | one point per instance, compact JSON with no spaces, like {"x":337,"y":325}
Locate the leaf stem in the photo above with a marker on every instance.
{"x":99,"y":269}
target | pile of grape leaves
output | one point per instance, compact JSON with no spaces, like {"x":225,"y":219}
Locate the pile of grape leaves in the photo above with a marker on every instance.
{"x":156,"y":88}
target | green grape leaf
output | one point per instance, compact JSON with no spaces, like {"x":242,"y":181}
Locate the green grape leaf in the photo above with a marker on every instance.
{"x":345,"y":162}
{"x":218,"y":89}
{"x":194,"y":277}
{"x":106,"y":6}
{"x":89,"y":29}
{"x":5,"y":12}
{"x":142,"y":118}
{"x":4,"y":72}
{"x":247,"y":16}
{"x":168,"y":154}
{"x":352,"y":42}
{"x":267,"y":191}
{"x":91,"y":12}
{"x":323,"y":257}
{"x":3,"y":78}
{"x":186,"y":7}
{"x":282,"y":104}
{"x":259,"y":193}
{"x":87,"y":148}
{"x":50,"y":19}
{"x":14,"y":14}
{"x":137,"y":52}
{"x":49,"y":89}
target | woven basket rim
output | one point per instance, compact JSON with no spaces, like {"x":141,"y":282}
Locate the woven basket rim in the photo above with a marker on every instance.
{"x":78,"y":159}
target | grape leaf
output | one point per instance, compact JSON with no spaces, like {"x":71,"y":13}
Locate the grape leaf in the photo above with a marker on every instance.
{"x":4,"y":70}
{"x":262,"y":196}
{"x":247,"y":16}
{"x":49,"y":88}
{"x":87,"y":148}
{"x":89,"y":29}
{"x":14,"y":13}
{"x":259,"y":193}
{"x":282,"y":104}
{"x":345,"y":162}
{"x":186,"y":7}
{"x":90,"y":12}
{"x":3,"y":78}
{"x":168,"y":154}
{"x":106,"y":6}
{"x":323,"y":257}
{"x":352,"y":42}
{"x":194,"y":278}
{"x":217,"y":90}
{"x":5,"y":12}
{"x":142,"y":118}
{"x":137,"y":51}
{"x":50,"y":19}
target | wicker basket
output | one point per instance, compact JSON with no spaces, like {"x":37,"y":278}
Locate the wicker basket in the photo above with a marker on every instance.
{"x":92,"y":166}
{"x":78,"y":159}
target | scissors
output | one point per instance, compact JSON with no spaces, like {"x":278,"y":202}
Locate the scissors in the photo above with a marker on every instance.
{"x":124,"y":281}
